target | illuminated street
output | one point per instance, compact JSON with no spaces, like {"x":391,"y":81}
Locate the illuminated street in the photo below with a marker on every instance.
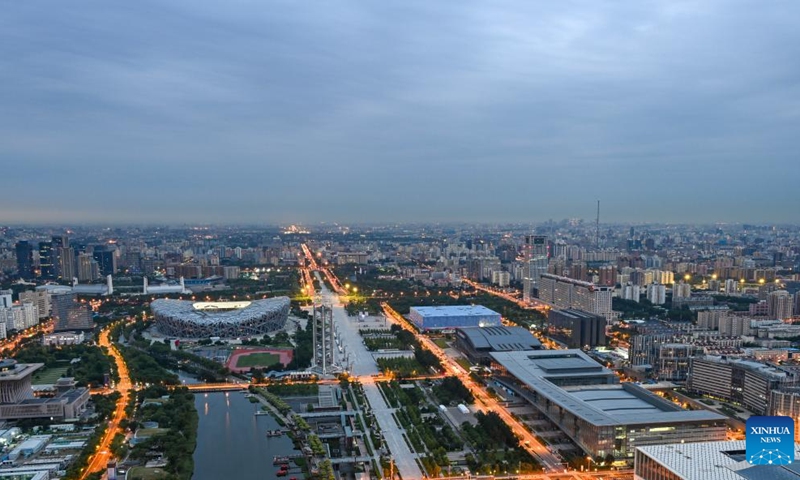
{"x":102,"y":455}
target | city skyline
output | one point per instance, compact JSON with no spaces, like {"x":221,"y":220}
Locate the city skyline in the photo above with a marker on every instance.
{"x":264,"y":113}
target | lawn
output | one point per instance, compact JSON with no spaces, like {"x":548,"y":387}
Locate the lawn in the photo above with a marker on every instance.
{"x":257,"y":360}
{"x":142,"y":473}
{"x":464,"y":363}
{"x":48,"y":376}
{"x":442,"y":343}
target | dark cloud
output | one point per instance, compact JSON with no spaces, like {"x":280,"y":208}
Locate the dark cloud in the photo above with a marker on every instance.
{"x":289,"y":111}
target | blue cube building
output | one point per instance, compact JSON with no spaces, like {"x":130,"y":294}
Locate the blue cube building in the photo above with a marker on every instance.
{"x":451,"y":317}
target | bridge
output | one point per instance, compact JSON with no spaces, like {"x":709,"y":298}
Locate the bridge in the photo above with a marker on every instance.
{"x":350,"y":459}
{"x":334,"y":413}
{"x":216,"y":387}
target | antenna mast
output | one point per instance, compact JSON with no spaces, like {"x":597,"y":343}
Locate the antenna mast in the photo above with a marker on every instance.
{"x":597,"y":226}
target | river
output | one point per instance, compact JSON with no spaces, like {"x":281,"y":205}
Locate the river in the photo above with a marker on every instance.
{"x":232,"y":441}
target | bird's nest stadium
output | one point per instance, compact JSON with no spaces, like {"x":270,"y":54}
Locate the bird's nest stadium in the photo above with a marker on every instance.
{"x":186,"y":319}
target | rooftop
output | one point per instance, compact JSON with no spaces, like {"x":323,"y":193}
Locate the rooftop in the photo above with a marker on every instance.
{"x":717,"y":461}
{"x":609,"y":404}
{"x":454,"y":311}
{"x":500,"y":338}
{"x":218,"y":312}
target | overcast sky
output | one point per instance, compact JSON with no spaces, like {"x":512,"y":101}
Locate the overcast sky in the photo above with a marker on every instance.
{"x":263,"y":111}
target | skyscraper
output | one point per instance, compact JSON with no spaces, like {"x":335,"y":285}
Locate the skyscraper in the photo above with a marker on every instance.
{"x":24,"y":259}
{"x":87,"y":268}
{"x":536,"y":256}
{"x":46,"y":266}
{"x":106,"y":260}
{"x":63,"y":270}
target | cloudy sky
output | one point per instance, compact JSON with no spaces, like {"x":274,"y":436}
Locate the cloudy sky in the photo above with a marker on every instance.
{"x":265,"y":111}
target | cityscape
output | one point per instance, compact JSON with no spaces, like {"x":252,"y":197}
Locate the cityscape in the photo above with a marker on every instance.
{"x":581,"y":351}
{"x":513,"y":240}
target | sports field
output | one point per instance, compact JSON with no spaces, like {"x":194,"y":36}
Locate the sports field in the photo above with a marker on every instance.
{"x":243,"y":359}
{"x":257,"y":360}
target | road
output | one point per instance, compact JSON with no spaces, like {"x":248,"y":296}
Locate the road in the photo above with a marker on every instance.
{"x":362,"y":365}
{"x":11,"y":344}
{"x":549,"y":461}
{"x":99,"y":459}
{"x":534,"y":304}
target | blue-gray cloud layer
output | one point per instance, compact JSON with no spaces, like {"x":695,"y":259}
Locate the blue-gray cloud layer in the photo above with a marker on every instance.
{"x":414,"y":110}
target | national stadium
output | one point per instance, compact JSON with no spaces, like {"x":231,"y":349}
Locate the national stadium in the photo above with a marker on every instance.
{"x":187,"y":319}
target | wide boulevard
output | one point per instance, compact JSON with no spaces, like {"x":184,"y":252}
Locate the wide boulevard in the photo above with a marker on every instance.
{"x":102,"y":455}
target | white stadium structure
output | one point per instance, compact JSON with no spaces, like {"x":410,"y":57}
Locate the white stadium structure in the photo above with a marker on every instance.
{"x":187,"y":319}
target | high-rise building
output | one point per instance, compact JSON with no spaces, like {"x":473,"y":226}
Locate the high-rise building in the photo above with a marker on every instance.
{"x":740,"y":381}
{"x":630,"y":292}
{"x":24,"y":252}
{"x":681,"y":290}
{"x":709,"y":319}
{"x":786,"y":402}
{"x":779,"y":304}
{"x":672,"y":363}
{"x":40,"y":298}
{"x":536,"y":255}
{"x":657,"y":294}
{"x":6,"y":299}
{"x":46,"y":267}
{"x":106,"y":260}
{"x":19,"y":317}
{"x":564,"y":292}
{"x":731,"y":286}
{"x":88,"y":271}
{"x":57,"y":245}
{"x":577,"y":328}
{"x":66,"y":263}
{"x":608,"y":275}
{"x":69,"y":314}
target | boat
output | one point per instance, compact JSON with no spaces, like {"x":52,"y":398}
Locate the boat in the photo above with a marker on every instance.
{"x":282,"y":473}
{"x":274,"y":433}
{"x":260,"y":412}
{"x":280,"y":460}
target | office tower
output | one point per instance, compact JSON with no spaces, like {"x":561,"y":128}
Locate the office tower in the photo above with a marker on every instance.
{"x":88,"y":271}
{"x":66,"y":263}
{"x":576,"y":328}
{"x":657,"y":294}
{"x":564,"y":292}
{"x":779,"y":304}
{"x":745,"y":382}
{"x":536,"y":254}
{"x":57,"y":245}
{"x":674,"y":360}
{"x":68,"y":314}
{"x":25,"y":259}
{"x":46,"y":268}
{"x":106,"y":260}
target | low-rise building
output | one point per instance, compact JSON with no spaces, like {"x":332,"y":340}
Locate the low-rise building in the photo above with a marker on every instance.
{"x":478,"y":342}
